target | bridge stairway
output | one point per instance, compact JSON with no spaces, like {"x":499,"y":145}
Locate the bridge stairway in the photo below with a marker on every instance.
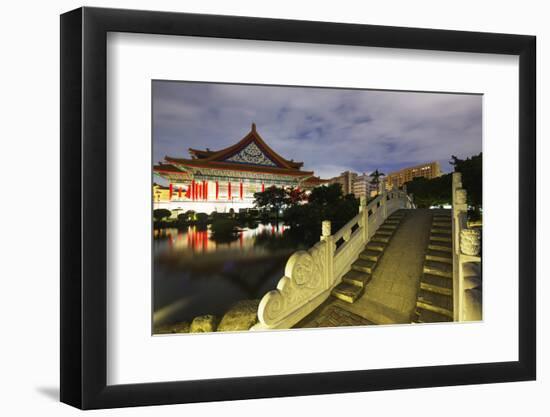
{"x":356,"y":279}
{"x":435,"y":296}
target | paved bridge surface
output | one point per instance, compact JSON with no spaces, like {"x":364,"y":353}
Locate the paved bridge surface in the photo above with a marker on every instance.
{"x":386,"y":284}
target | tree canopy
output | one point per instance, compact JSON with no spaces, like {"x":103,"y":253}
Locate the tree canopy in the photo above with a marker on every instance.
{"x":160,"y":214}
{"x":272,"y":199}
{"x":324,"y":203}
{"x":434,"y":192}
{"x":437,"y":191}
{"x":471,"y":169}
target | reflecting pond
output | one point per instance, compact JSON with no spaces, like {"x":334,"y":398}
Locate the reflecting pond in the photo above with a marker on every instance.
{"x":194,"y":274}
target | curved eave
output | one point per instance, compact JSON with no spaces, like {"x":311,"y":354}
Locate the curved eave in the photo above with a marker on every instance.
{"x":201,"y":163}
{"x":316,"y":181}
{"x":215,"y":156}
{"x":167,"y":169}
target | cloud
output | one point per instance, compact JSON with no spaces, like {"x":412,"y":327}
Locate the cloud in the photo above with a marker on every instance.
{"x":330,"y":130}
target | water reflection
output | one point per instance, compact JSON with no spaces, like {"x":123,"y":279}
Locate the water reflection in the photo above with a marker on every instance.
{"x":197,"y":239}
{"x":196,"y":274}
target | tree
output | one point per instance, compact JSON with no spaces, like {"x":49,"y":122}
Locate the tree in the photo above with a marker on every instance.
{"x":324,"y":203}
{"x":161,"y":214}
{"x":375,"y":175}
{"x":471,"y":169}
{"x":295,"y":195}
{"x":201,"y":219}
{"x":182,"y":220}
{"x":273,"y":199}
{"x":428,"y":193}
{"x":326,"y":195}
{"x":224,"y":229}
{"x":190,"y":215}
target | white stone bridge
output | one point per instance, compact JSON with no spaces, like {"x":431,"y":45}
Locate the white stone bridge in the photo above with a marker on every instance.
{"x":391,"y":263}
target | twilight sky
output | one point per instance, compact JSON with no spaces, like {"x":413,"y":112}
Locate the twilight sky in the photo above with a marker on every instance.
{"x":330,"y":130}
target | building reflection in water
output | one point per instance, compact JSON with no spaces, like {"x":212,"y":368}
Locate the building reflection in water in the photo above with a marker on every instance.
{"x":199,"y":240}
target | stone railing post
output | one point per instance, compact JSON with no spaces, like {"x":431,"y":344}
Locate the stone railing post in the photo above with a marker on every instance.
{"x":327,"y":237}
{"x":459,"y":209}
{"x":365,"y":219}
{"x":407,"y":204}
{"x":383,"y":194}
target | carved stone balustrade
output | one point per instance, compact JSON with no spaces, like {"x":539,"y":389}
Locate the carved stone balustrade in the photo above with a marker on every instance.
{"x":310,"y":276}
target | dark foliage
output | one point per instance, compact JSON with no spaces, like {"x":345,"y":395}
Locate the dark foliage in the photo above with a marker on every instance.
{"x":437,"y":191}
{"x":324,"y":203}
{"x":224,"y":229}
{"x":161,"y":214}
{"x":432,"y":192}
{"x":471,"y":169}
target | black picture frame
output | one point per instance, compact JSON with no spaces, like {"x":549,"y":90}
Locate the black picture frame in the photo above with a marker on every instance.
{"x":84,"y":207}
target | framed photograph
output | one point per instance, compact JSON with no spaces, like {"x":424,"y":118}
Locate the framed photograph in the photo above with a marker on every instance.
{"x":258,"y":208}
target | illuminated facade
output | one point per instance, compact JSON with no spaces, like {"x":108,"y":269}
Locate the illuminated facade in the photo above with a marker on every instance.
{"x":364,"y":187}
{"x":228,"y":178}
{"x":346,"y":180}
{"x":428,"y":170}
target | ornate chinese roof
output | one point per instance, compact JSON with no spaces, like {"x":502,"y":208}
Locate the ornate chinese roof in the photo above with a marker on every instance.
{"x":251,"y":149}
{"x":250,"y":154}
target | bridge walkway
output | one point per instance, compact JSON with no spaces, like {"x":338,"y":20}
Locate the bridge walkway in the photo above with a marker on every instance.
{"x":390,"y":289}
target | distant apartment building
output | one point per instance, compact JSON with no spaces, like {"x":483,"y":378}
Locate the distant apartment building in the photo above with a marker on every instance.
{"x":363,"y":186}
{"x":428,"y":170}
{"x":346,"y":180}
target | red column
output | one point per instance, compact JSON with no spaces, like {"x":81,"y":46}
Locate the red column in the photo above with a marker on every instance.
{"x":193,"y":190}
{"x":204,"y":195}
{"x":263,"y":187}
{"x":179,"y":192}
{"x":170,"y":191}
{"x":217,"y":190}
{"x":229,"y":190}
{"x":241,"y":190}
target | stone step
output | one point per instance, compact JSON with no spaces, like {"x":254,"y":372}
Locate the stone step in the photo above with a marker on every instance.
{"x":359,"y":279}
{"x":385,"y":232}
{"x":379,"y":313}
{"x":393,"y":222}
{"x":388,"y":226}
{"x":395,"y":217}
{"x":376,"y":246}
{"x":439,"y":256}
{"x":370,"y":255}
{"x":434,"y":309}
{"x":438,"y":301}
{"x":438,"y":223}
{"x":441,"y":246}
{"x":442,"y":269}
{"x":380,"y":238}
{"x":348,"y":293}
{"x":437,"y":280}
{"x":441,"y":231}
{"x":440,"y":238}
{"x":436,"y":289}
{"x":363,"y":265}
{"x":428,"y":316}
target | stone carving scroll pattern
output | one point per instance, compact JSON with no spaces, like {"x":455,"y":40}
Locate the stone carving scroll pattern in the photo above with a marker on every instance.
{"x":303,"y":280}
